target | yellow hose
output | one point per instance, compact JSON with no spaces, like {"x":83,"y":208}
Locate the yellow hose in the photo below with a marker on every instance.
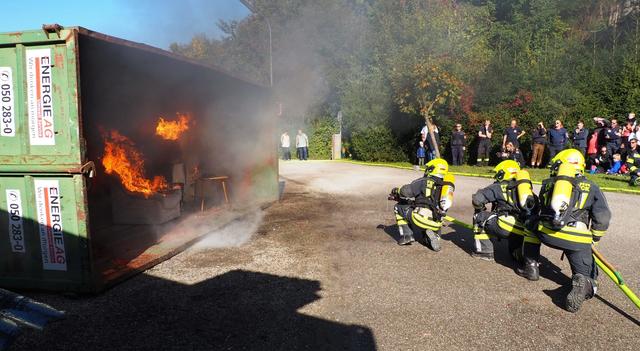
{"x":612,"y":274}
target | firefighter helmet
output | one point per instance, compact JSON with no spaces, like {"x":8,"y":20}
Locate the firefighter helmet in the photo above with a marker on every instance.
{"x":436,"y":167}
{"x":506,"y":170}
{"x":570,"y":156}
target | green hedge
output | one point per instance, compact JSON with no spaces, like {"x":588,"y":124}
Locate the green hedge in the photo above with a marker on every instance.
{"x":376,"y":143}
{"x":322,"y":130}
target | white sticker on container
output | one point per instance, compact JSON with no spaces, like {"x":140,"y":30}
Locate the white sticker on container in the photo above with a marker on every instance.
{"x":16,"y":229}
{"x":40,"y":97}
{"x":49,"y":214}
{"x":7,"y":109}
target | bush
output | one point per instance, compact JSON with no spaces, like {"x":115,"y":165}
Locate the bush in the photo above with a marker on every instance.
{"x":322,"y":130}
{"x":376,"y":143}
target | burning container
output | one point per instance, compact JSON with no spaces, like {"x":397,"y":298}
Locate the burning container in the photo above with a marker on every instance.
{"x":93,"y":187}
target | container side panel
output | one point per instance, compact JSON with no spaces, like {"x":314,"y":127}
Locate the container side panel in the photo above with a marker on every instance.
{"x":40,"y":129}
{"x":10,"y":103}
{"x":45,"y":245}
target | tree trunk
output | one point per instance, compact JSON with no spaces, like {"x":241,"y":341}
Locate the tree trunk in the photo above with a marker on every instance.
{"x":430,"y":125}
{"x":432,"y":136}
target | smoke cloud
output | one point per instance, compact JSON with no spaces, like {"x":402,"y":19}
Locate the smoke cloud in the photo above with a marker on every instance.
{"x":233,"y":234}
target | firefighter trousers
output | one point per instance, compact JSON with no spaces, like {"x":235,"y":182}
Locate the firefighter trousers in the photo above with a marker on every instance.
{"x":523,"y":245}
{"x":412,"y":219}
{"x":579,"y":256}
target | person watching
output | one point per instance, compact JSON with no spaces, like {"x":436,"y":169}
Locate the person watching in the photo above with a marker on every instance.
{"x":613,"y":136}
{"x":633,"y":162}
{"x":601,"y":162}
{"x":539,"y":139}
{"x":580,"y":135}
{"x":458,"y":140}
{"x":512,"y":134}
{"x":558,"y":137}
{"x":512,"y":153}
{"x":484,"y":143}
{"x":616,"y":165}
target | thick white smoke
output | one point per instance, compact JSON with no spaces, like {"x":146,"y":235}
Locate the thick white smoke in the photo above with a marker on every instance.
{"x":233,"y":234}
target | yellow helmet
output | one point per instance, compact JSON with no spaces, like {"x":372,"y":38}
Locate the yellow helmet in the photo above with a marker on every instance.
{"x":570,"y":156}
{"x":506,"y":170}
{"x":436,"y":167}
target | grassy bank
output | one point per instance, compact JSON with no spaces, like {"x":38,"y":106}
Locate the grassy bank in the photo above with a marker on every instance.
{"x":606,"y":182}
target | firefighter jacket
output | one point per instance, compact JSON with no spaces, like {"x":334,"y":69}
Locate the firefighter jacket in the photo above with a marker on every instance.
{"x":633,"y":160}
{"x":502,"y":195}
{"x":426,"y":191}
{"x":587,"y":215}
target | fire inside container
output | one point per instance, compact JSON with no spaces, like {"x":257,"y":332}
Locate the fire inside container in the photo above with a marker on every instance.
{"x":83,"y":221}
{"x":132,"y":208}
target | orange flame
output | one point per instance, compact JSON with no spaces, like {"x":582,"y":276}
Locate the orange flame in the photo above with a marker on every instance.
{"x":171,"y":130}
{"x":122,"y":158}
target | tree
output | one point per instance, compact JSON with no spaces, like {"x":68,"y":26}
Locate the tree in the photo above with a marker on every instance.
{"x":424,"y":88}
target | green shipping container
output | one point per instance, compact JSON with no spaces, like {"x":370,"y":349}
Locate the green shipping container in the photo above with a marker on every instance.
{"x":70,"y":225}
{"x":39,"y":102}
{"x":46,"y":242}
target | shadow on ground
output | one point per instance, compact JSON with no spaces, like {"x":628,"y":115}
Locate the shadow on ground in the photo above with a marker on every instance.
{"x":239,"y":310}
{"x":463,"y":238}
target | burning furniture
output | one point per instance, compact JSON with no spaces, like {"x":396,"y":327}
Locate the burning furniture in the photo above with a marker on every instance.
{"x":200,"y":184}
{"x":131,"y":208}
{"x":95,"y":99}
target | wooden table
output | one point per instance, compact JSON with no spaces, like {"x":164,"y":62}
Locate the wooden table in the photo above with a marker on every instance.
{"x":202,"y":180}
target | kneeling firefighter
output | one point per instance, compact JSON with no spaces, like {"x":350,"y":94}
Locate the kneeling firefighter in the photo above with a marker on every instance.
{"x":423,"y":203}
{"x":574,"y":214}
{"x":513,"y":205}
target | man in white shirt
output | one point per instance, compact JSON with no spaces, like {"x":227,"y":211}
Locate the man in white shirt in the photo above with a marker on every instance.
{"x":285,"y":143}
{"x":302,"y":145}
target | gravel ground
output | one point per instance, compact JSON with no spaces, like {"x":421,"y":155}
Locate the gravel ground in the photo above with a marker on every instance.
{"x":319,"y":273}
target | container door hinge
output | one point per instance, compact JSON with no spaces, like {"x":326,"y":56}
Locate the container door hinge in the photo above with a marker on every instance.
{"x":52,"y":28}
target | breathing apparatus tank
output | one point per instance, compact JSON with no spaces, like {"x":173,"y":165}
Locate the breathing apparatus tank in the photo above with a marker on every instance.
{"x":562,"y":191}
{"x":526,"y":199}
{"x":446,"y":194}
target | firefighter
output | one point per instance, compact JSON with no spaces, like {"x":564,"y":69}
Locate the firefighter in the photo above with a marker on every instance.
{"x":513,"y":207}
{"x":633,"y":162}
{"x":423,"y":203}
{"x":574,"y":214}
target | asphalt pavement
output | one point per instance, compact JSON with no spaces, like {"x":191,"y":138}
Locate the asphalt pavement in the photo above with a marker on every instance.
{"x":322,"y":271}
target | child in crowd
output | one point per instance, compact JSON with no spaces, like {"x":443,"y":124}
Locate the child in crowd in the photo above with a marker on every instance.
{"x":617,"y":164}
{"x":422,"y":154}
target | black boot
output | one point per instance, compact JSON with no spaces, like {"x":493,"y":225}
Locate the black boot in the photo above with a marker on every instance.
{"x":487,"y":256}
{"x":406,"y":235}
{"x":406,"y":239}
{"x":530,"y":270}
{"x":581,"y":289}
{"x":434,"y":240}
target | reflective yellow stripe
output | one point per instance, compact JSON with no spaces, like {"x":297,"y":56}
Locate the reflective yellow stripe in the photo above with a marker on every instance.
{"x":511,"y":226}
{"x":597,"y":232}
{"x":563,"y":235}
{"x":531,"y":239}
{"x":401,"y":222}
{"x":481,"y":237}
{"x":583,"y":199}
{"x":425,"y":223}
{"x":398,"y":217}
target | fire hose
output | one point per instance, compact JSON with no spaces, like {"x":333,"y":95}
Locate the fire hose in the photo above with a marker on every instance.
{"x":605,"y":265}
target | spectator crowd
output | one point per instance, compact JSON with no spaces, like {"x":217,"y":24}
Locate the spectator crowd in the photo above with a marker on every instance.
{"x":610,"y":148}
